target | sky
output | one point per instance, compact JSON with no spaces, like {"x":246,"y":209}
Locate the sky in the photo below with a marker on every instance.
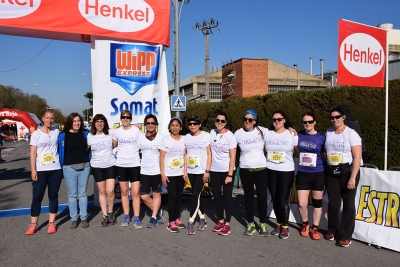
{"x":286,"y":31}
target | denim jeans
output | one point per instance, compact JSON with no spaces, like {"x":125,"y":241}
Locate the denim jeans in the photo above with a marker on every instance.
{"x":76,"y":181}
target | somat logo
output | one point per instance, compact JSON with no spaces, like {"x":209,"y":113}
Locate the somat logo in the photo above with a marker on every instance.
{"x":10,"y":9}
{"x":134,"y":66}
{"x":117,"y":15}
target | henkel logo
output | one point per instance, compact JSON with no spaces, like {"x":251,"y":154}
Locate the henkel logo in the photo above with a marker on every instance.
{"x":362,"y":55}
{"x":10,"y":9}
{"x":117,"y":15}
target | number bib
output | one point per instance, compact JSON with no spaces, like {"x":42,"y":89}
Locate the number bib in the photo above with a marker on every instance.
{"x":192,"y":162}
{"x":47,"y":159}
{"x":335,"y":158}
{"x":175,"y":163}
{"x":308,"y":159}
{"x":276,"y":157}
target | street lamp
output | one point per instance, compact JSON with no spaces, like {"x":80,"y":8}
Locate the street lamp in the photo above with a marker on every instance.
{"x":30,"y":95}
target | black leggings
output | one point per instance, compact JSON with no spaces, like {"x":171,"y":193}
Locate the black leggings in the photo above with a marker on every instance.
{"x":196,"y":181}
{"x":175,"y":189}
{"x":249,"y":179}
{"x":279,"y":185}
{"x":223,"y":199}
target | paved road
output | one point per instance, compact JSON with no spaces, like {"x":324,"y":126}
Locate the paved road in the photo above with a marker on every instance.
{"x":125,"y":246}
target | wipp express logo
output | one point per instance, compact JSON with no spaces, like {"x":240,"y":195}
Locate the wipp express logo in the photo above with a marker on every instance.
{"x":362,"y":55}
{"x":10,"y":9}
{"x":117,"y":15}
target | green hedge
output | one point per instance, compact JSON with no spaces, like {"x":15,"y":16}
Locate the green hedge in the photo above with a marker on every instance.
{"x":365,"y":103}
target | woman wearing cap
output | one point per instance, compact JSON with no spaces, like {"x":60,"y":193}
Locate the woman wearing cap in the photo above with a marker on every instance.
{"x":127,"y":164}
{"x":310,"y":174}
{"x":253,"y":170}
{"x":222,"y":171}
{"x":45,"y":172}
{"x":150,"y":177}
{"x":102,"y":163}
{"x":198,"y":155}
{"x":344,"y":152}
{"x":172,"y":168}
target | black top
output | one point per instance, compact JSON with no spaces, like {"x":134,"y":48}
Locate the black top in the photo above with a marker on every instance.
{"x":75,"y":145}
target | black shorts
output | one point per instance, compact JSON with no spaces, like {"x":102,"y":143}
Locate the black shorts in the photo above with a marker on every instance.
{"x":307,"y":181}
{"x":150,"y":181}
{"x":102,"y":174}
{"x":128,"y":174}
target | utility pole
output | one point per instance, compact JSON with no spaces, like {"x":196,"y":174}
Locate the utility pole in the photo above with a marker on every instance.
{"x":206,"y":29}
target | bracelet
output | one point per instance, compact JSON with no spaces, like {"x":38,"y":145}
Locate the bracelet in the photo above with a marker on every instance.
{"x":207,"y":171}
{"x":229,"y":175}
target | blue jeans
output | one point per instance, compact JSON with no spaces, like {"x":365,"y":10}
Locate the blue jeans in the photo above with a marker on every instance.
{"x":76,"y":182}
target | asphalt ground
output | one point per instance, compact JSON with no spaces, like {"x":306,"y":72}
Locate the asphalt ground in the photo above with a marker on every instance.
{"x":125,"y":246}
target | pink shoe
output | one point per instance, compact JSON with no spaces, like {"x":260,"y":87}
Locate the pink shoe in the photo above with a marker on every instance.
{"x":179,"y":224}
{"x":226,"y":230}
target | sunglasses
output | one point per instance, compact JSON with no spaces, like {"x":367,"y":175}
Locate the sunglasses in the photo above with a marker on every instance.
{"x":277,"y":119}
{"x":48,"y":109}
{"x":126,"y":117}
{"x":308,"y":122}
{"x":335,"y":117}
{"x":220,"y":121}
{"x":151,"y":123}
{"x":248,"y":119}
{"x":193,"y":123}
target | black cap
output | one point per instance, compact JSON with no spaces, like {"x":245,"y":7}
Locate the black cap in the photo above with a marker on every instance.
{"x":195,"y":118}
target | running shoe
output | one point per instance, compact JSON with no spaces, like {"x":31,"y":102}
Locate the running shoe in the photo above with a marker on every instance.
{"x":111,"y":218}
{"x":179,"y":224}
{"x":304,"y":230}
{"x":126,"y":220}
{"x":32,"y":229}
{"x":105,"y":221}
{"x":202,"y":224}
{"x":152,"y":223}
{"x":160,"y":218}
{"x":84,"y":224}
{"x":284,"y":233}
{"x":137,"y":223}
{"x":263,"y":230}
{"x":190,"y":228}
{"x":344,"y":243}
{"x":172,"y":227}
{"x":330,"y":236}
{"x":314,"y":234}
{"x":277,"y":230}
{"x":250,"y":229}
{"x":51,"y":228}
{"x":218,"y":227}
{"x":225,"y":230}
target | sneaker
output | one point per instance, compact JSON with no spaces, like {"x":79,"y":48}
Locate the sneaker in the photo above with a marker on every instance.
{"x":190,"y":228}
{"x":263,"y":230}
{"x":160,"y":218}
{"x":202,"y":224}
{"x":126,"y":220}
{"x":84,"y":224}
{"x":152,"y":223}
{"x":172,"y":227}
{"x":329,"y":236}
{"x":277,"y":230}
{"x":225,"y":230}
{"x":137,"y":223}
{"x":111,"y":218}
{"x":304,"y":230}
{"x":314,"y":234}
{"x":73,"y":225}
{"x":105,"y":221}
{"x":32,"y":229}
{"x":284,"y":233}
{"x":179,"y":224}
{"x":344,"y":243}
{"x":250,"y":229}
{"x":51,"y":228}
{"x":218,"y":227}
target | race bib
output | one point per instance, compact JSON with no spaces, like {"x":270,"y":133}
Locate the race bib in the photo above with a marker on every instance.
{"x":276,"y":157}
{"x":175,"y":163}
{"x":308,"y":159}
{"x":335,"y":158}
{"x":192,"y":162}
{"x":47,"y":159}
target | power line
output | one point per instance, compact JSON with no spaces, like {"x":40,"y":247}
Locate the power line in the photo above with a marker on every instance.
{"x":224,"y":43}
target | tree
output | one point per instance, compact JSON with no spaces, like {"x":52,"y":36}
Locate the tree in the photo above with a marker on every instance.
{"x":88,"y":113}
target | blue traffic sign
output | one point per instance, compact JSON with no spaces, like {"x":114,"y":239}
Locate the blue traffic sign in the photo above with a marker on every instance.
{"x":178,"y":103}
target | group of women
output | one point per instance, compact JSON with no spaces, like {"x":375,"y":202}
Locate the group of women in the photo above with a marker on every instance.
{"x":264,"y":155}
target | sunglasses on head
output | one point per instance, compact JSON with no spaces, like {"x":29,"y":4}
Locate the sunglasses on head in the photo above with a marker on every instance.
{"x":48,"y":109}
{"x":126,"y":117}
{"x":248,"y":119}
{"x":277,"y":119}
{"x":335,"y":117}
{"x":308,"y":122}
{"x":193,"y":123}
{"x":151,"y":123}
{"x":220,"y":121}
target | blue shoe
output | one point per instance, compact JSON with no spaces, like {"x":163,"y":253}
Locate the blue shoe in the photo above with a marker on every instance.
{"x":250,"y":229}
{"x":126,"y":220}
{"x":263,"y":230}
{"x":152,"y":223}
{"x":160,"y":218}
{"x":190,"y":228}
{"x":202,"y":224}
{"x":137,"y":223}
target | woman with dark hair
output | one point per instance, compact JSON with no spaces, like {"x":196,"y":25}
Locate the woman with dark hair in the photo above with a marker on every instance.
{"x":310,"y":174}
{"x":150,"y":177}
{"x":172,"y":168}
{"x":45,"y":172}
{"x":344,"y":153}
{"x":102,"y":163}
{"x":222,"y":171}
{"x":279,"y":144}
{"x":74,"y":160}
{"x":126,"y":138}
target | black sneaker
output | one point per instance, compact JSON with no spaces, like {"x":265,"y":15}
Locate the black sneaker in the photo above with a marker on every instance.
{"x":105,"y":221}
{"x":112,"y":219}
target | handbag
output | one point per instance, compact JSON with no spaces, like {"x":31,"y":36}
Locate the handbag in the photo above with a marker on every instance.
{"x":339,"y":170}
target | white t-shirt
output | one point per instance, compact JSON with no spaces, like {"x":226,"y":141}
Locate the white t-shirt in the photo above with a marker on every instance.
{"x":196,"y":152}
{"x":279,"y":149}
{"x":102,"y":152}
{"x":150,"y":163}
{"x":338,"y":146}
{"x":128,"y":147}
{"x":251,"y":147}
{"x":47,"y":155}
{"x":174,"y":155}
{"x":220,"y":145}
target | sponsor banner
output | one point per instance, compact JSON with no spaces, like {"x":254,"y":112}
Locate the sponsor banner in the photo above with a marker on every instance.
{"x":362,"y":54}
{"x":138,"y":20}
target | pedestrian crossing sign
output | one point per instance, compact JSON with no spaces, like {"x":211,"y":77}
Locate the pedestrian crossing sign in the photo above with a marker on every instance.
{"x":178,"y":103}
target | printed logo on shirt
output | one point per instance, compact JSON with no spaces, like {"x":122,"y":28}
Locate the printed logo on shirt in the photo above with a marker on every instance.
{"x":195,"y":145}
{"x":307,"y":144}
{"x":334,"y":144}
{"x":277,"y":143}
{"x":251,"y":141}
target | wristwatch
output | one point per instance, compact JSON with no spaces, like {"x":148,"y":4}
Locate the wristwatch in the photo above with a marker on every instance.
{"x":207,"y":171}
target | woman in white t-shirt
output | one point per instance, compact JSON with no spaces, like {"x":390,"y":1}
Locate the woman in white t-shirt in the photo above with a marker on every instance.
{"x":279,"y":144}
{"x":172,"y":168}
{"x":344,"y":153}
{"x":222,"y":171}
{"x":126,"y":139}
{"x":150,"y":177}
{"x":102,"y":163}
{"x":45,"y":172}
